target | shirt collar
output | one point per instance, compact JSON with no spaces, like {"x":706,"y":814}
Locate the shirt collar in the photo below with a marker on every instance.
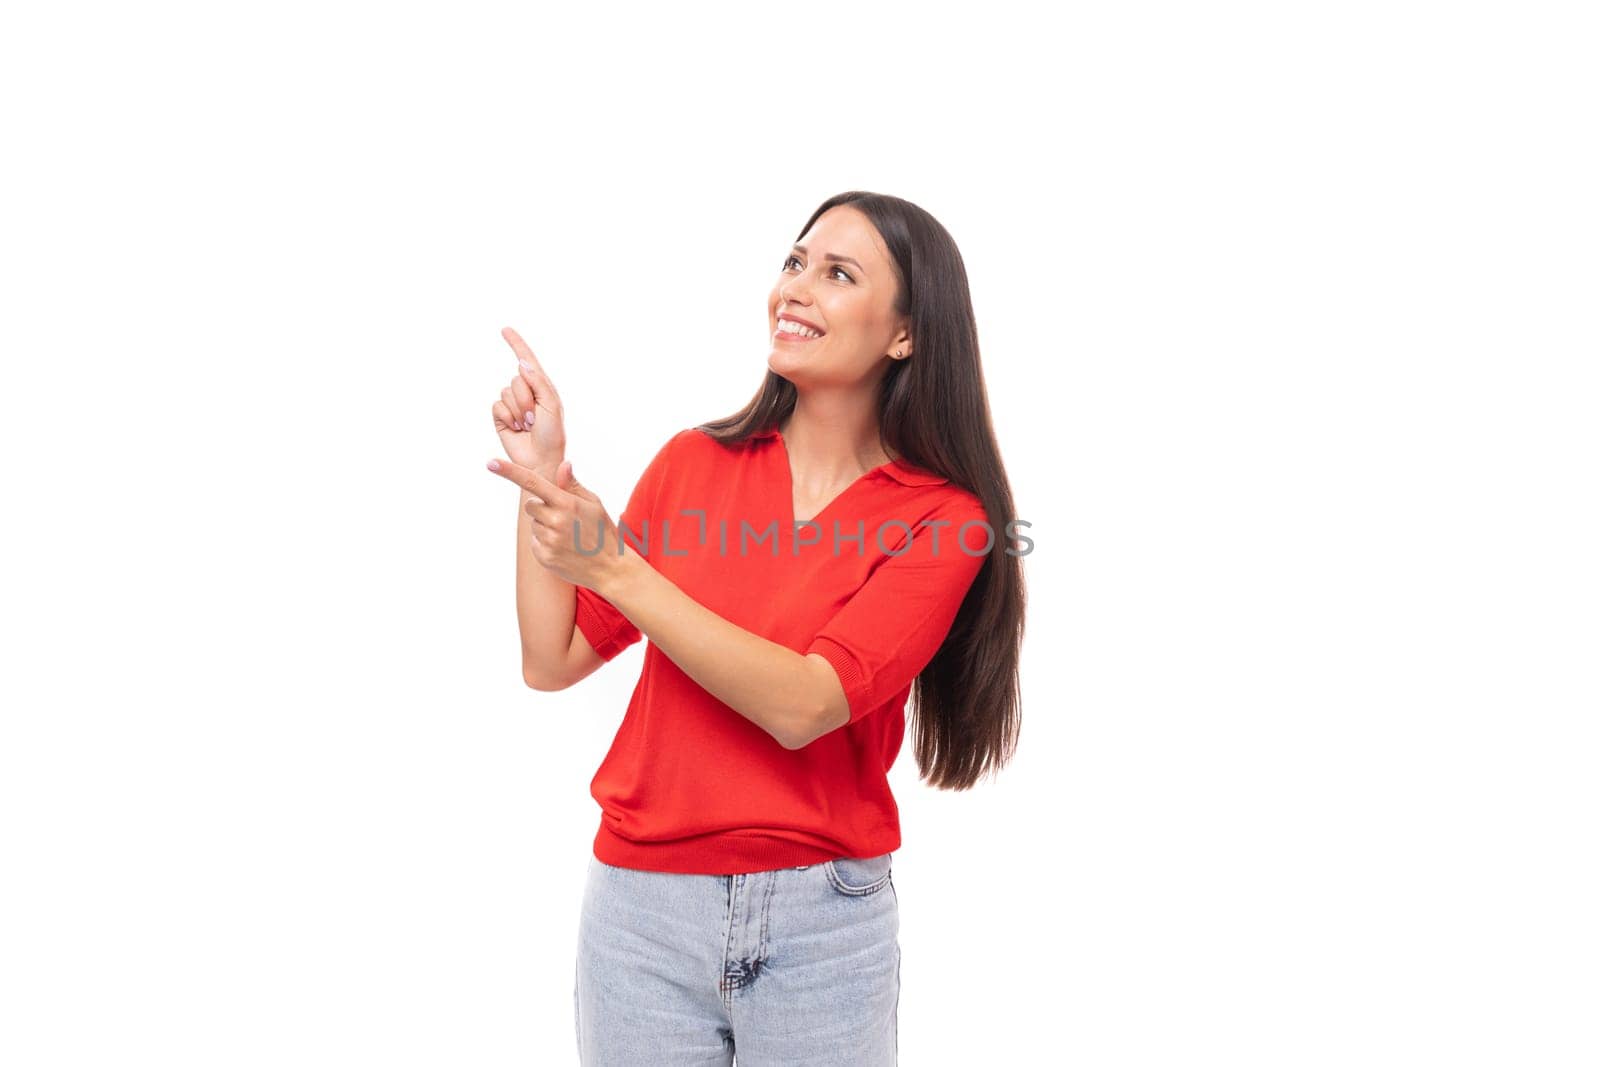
{"x":900,"y":470}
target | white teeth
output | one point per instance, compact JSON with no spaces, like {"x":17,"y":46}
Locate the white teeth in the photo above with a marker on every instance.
{"x":785,"y":326}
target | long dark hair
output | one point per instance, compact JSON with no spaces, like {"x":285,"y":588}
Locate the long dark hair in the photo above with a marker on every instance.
{"x":933,"y":411}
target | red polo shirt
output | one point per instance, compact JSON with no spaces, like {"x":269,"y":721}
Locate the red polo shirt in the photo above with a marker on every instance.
{"x":872,"y":584}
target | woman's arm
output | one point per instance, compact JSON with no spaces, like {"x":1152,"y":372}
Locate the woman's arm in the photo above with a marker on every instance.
{"x":554,"y":655}
{"x":532,"y":429}
{"x":870,"y":650}
{"x":794,"y":698}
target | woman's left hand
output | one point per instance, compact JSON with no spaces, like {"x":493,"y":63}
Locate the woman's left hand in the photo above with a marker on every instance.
{"x":566,"y":515}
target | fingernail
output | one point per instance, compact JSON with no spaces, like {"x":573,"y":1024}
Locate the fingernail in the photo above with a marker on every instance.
{"x":528,"y":418}
{"x":494,"y":464}
{"x":524,"y":362}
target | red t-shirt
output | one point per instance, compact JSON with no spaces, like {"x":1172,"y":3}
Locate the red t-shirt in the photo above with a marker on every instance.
{"x":691,"y":786}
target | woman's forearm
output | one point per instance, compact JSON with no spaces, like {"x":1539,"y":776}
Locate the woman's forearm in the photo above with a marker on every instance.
{"x":546,"y":605}
{"x":780,"y":690}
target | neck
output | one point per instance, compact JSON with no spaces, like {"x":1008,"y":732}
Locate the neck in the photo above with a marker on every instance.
{"x":831,"y":442}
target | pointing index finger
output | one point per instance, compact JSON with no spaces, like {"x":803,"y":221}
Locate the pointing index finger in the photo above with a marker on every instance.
{"x":526,"y":477}
{"x":544,"y":390}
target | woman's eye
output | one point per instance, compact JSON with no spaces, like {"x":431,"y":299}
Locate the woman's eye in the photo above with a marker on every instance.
{"x":840,"y":270}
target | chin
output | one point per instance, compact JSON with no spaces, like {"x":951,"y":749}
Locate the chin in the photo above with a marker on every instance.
{"x":784,"y":364}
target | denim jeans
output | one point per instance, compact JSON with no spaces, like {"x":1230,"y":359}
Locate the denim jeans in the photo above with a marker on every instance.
{"x":794,"y":966}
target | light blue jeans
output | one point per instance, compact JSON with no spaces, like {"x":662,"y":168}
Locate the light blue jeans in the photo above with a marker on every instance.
{"x":791,"y":967}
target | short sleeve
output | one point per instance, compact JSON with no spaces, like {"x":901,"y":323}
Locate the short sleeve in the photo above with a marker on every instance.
{"x":890,"y":629}
{"x":607,"y":630}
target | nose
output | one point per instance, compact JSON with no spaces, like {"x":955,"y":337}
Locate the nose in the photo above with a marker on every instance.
{"x":794,"y":290}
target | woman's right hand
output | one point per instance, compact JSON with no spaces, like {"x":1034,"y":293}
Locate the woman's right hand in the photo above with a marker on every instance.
{"x":528,"y":414}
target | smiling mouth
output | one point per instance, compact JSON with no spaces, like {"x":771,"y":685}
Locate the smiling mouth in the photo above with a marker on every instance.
{"x":793,"y":331}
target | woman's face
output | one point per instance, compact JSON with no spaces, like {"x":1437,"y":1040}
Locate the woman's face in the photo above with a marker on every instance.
{"x":839,"y":280}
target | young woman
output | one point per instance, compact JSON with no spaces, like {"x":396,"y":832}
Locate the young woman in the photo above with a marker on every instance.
{"x":800,"y":568}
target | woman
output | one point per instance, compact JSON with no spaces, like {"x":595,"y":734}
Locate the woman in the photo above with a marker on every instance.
{"x":800,"y":567}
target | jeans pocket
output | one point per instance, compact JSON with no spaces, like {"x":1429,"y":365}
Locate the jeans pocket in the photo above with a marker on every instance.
{"x":858,"y":877}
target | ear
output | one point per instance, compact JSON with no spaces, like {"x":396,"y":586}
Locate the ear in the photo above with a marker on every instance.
{"x":900,"y":347}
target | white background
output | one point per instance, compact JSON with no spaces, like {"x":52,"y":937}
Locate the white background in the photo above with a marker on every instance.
{"x":1288,"y":320}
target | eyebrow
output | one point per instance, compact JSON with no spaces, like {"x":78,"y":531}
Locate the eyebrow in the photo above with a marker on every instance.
{"x":836,"y":259}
